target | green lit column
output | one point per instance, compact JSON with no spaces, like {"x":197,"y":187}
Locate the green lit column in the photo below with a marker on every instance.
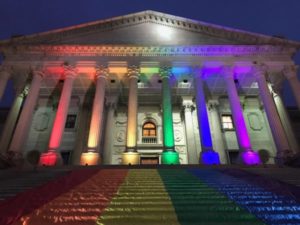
{"x":169,"y":155}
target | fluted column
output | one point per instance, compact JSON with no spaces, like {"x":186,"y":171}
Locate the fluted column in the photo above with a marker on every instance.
{"x":131,"y":156}
{"x":109,"y":130}
{"x":4,"y":76}
{"x":25,"y":119}
{"x":11,"y":120}
{"x":169,"y":155}
{"x":91,"y":157}
{"x":247,"y":155}
{"x":290,"y":73}
{"x":208,"y":155}
{"x":188,"y":107}
{"x":50,"y":157}
{"x":277,"y":129}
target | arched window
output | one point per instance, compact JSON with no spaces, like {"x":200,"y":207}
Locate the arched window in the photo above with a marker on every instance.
{"x":149,"y":129}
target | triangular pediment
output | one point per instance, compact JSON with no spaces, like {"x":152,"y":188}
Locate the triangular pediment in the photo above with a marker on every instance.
{"x":148,"y":28}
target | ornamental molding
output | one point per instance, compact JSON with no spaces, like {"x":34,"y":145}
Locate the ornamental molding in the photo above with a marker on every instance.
{"x":150,"y":51}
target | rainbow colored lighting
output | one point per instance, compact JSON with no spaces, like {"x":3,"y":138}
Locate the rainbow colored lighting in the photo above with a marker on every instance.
{"x":250,"y":157}
{"x":210,"y":157}
{"x":149,"y":70}
{"x":170,"y":157}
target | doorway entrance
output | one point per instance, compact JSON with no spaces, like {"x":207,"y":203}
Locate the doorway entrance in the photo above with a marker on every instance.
{"x":150,"y":160}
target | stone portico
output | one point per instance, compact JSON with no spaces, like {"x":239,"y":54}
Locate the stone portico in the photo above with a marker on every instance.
{"x":149,"y":88}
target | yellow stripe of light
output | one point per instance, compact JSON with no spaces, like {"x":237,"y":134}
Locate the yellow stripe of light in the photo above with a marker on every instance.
{"x":141,"y":200}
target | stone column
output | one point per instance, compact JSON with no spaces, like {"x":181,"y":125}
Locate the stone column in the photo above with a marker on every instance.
{"x":216,"y":130}
{"x":169,"y":155}
{"x":285,"y":120}
{"x":188,"y":107}
{"x":51,"y":157}
{"x":25,"y":119}
{"x":91,"y":157}
{"x":11,"y":120}
{"x":208,"y":155}
{"x":290,"y":72}
{"x":247,"y":155}
{"x":109,"y":130}
{"x":131,"y":156}
{"x":277,"y":129}
{"x":4,"y":76}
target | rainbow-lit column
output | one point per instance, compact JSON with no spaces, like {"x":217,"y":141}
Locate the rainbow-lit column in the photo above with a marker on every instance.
{"x":274,"y":121}
{"x":248,"y":156}
{"x":208,"y":155}
{"x":4,"y":76}
{"x":24,"y":122}
{"x":169,"y":155}
{"x":50,"y":157}
{"x":91,"y":157}
{"x":290,"y":73}
{"x":131,"y":156}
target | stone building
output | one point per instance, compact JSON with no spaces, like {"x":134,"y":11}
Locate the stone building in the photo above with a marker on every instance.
{"x":149,"y":88}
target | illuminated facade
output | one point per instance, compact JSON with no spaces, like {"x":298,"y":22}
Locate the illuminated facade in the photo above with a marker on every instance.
{"x":149,"y":88}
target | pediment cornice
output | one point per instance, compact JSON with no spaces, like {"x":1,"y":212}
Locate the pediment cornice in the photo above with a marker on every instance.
{"x":238,"y":36}
{"x":149,"y":51}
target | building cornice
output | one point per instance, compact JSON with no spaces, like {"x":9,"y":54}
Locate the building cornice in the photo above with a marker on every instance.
{"x":149,"y":51}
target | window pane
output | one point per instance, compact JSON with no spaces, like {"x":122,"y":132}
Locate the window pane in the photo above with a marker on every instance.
{"x":70,"y":121}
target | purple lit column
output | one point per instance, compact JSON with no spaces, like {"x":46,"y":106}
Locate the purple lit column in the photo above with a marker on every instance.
{"x":208,"y":155}
{"x":274,"y":121}
{"x":248,"y":156}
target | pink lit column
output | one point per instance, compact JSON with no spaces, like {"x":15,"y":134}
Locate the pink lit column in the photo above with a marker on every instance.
{"x":24,"y":122}
{"x":290,"y":73}
{"x":131,"y":156}
{"x":91,"y":157}
{"x":276,"y":126}
{"x":49,"y":158}
{"x":4,"y":76}
{"x":247,"y":155}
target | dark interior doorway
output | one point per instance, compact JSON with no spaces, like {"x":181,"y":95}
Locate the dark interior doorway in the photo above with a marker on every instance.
{"x":233,"y":156}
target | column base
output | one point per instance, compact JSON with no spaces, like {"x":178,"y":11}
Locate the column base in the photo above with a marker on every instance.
{"x":130,"y":158}
{"x":209,"y":157}
{"x":249,"y":157}
{"x":50,"y":158}
{"x":89,"y":158}
{"x":170,"y":158}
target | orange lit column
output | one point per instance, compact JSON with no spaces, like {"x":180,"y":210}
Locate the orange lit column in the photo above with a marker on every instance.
{"x":131,"y":156}
{"x":4,"y":76}
{"x":91,"y":157}
{"x":49,"y":158}
{"x":24,"y":122}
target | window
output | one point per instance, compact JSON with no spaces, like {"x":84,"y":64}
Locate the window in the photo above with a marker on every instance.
{"x":149,"y":129}
{"x":227,"y":123}
{"x":70,"y":122}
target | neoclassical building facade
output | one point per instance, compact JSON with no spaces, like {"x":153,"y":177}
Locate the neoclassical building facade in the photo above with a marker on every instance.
{"x":149,"y":88}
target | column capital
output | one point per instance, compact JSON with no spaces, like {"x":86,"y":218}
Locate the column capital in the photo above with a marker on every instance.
{"x":290,"y":71}
{"x":111,"y":101}
{"x":213,"y":104}
{"x":165,"y":72}
{"x":259,"y":71}
{"x":39,"y":73}
{"x":101,"y":72}
{"x":188,"y":106}
{"x":133,"y":72}
{"x":227,"y":71}
{"x":70,"y":71}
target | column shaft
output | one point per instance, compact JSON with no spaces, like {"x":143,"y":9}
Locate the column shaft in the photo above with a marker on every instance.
{"x":25,"y":119}
{"x":291,"y":75}
{"x":272,"y":115}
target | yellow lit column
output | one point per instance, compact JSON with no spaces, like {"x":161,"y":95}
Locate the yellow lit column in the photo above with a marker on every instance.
{"x":91,"y":157}
{"x":131,"y":156}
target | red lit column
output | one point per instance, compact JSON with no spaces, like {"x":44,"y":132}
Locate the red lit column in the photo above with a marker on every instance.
{"x":131,"y":156}
{"x":4,"y":76}
{"x":50,"y":157}
{"x":91,"y":157}
{"x":24,"y":122}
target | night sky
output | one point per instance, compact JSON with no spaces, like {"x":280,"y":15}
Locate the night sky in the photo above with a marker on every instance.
{"x":271,"y":17}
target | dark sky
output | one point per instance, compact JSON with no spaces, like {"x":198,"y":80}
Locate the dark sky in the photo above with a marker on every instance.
{"x":271,"y":17}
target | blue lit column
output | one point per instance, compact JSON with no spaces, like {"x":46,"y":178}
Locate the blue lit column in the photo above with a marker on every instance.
{"x":208,"y":155}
